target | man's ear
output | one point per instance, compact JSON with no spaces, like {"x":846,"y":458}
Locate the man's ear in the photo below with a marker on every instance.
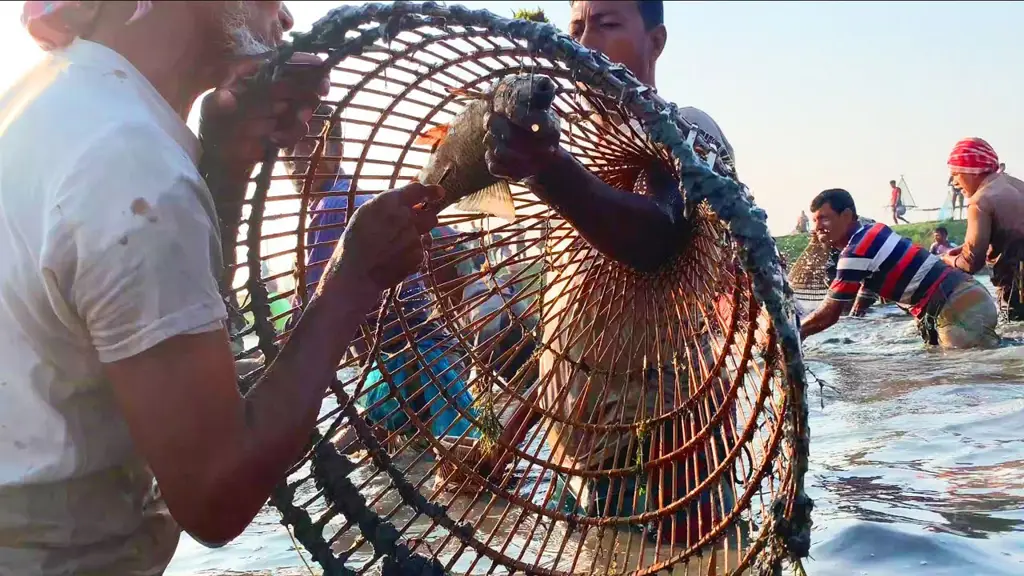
{"x":658,"y":36}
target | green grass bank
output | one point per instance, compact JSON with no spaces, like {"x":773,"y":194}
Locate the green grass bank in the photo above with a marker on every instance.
{"x":920,"y":233}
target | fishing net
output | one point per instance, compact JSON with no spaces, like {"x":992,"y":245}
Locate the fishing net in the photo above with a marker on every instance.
{"x":665,"y":416}
{"x":906,"y":197}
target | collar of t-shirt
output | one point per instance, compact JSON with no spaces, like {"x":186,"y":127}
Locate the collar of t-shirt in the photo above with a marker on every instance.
{"x":109,"y":62}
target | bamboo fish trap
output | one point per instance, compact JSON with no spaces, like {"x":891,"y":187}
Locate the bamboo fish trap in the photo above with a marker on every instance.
{"x":809,"y":274}
{"x":813,"y":271}
{"x":667,"y":416}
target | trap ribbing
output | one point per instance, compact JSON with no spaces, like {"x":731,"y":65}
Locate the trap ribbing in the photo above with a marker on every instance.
{"x":396,"y":508}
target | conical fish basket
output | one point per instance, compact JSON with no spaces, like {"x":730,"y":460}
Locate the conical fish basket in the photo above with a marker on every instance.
{"x":809,"y":273}
{"x":666,"y":423}
{"x":812,"y":272}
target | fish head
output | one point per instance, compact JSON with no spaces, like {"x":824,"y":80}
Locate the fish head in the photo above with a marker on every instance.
{"x":526,"y":99}
{"x":523,"y":91}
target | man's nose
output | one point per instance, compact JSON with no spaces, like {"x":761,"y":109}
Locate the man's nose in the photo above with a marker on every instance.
{"x":286,"y":18}
{"x":592,"y":39}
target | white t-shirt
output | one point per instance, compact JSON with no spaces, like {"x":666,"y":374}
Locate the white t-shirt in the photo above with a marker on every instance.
{"x":108,"y":246}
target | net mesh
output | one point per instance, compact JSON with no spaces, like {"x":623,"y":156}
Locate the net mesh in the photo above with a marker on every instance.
{"x":664,"y":414}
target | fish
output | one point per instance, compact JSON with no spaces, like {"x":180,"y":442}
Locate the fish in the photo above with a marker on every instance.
{"x":457,"y":161}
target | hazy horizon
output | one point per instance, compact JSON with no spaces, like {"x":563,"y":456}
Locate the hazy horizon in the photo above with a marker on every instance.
{"x":812,"y":95}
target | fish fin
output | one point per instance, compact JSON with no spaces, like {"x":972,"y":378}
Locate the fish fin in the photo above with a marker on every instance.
{"x":434,"y":136}
{"x":468,"y":94}
{"x":495,"y":200}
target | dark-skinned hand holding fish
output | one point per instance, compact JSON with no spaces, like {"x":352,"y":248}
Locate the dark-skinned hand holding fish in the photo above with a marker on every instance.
{"x":469,"y":155}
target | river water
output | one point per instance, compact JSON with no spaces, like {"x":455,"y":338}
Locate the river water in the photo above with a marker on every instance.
{"x":917,"y":461}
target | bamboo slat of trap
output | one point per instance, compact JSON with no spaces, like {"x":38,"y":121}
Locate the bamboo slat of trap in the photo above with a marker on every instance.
{"x":390,"y":494}
{"x":809,"y":274}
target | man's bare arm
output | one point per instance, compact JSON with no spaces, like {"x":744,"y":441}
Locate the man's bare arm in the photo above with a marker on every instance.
{"x":821,"y":319}
{"x":865,"y":299}
{"x":971,"y":257}
{"x":216,"y":454}
{"x":643,"y":232}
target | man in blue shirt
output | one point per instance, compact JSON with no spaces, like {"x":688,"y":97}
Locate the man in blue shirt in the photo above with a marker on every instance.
{"x":330,"y":187}
{"x":330,"y":213}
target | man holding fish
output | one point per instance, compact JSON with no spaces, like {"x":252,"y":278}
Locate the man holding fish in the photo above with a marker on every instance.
{"x":642,"y":231}
{"x":116,"y":365}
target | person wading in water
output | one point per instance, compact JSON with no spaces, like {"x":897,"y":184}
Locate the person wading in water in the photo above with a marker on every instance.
{"x":952,"y":309}
{"x":995,"y":222}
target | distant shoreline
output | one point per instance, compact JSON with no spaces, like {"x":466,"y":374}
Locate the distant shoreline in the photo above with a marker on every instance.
{"x":792,"y":245}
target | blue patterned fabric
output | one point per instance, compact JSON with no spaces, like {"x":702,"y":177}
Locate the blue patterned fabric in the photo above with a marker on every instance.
{"x":443,"y":362}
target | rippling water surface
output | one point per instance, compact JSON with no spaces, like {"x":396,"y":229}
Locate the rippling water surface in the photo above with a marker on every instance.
{"x":917,"y":461}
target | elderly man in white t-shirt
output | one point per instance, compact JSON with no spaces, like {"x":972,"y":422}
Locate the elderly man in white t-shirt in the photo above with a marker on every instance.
{"x":115,"y":365}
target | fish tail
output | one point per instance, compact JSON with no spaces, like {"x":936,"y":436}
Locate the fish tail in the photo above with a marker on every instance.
{"x":495,"y":200}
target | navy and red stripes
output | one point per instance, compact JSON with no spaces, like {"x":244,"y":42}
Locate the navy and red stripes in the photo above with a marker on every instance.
{"x":882,"y":261}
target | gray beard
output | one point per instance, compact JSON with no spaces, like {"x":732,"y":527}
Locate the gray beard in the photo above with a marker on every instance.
{"x":241,"y":40}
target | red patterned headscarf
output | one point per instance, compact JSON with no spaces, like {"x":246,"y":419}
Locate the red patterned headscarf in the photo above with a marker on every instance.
{"x":54,"y":24}
{"x":973,"y":156}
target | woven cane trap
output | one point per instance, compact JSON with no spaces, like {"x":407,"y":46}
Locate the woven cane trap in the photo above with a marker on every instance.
{"x":812,"y":272}
{"x":667,"y":418}
{"x":809,"y":274}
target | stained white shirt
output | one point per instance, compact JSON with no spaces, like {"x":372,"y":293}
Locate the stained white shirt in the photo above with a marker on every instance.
{"x":108,"y":246}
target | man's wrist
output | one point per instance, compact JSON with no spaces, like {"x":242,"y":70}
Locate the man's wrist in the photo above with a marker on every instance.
{"x":552,"y":164}
{"x":556,"y":167}
{"x":956,"y":263}
{"x":345,"y":292}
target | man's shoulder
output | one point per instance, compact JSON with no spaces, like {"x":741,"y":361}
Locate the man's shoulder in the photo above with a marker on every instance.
{"x":70,"y":126}
{"x":866,"y":236}
{"x":81,"y":94}
{"x":708,"y":127}
{"x":76,"y":163}
{"x":1002,"y":186}
{"x":866,"y":230}
{"x":124,"y":164}
{"x":126,"y":187}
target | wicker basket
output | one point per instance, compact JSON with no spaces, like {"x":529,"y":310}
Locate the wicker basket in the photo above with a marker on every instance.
{"x":699,"y":471}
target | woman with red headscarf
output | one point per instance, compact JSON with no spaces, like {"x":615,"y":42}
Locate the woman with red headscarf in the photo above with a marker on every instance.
{"x":995,"y":221}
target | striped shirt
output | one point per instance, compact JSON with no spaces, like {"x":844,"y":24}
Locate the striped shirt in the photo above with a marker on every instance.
{"x":881,"y":261}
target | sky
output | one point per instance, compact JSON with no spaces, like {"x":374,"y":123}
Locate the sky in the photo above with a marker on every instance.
{"x":812,"y":95}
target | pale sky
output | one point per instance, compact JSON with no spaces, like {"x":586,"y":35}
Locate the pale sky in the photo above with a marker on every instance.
{"x":812,"y":95}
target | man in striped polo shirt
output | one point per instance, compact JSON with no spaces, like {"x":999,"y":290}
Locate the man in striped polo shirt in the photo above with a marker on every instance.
{"x":952,"y":309}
